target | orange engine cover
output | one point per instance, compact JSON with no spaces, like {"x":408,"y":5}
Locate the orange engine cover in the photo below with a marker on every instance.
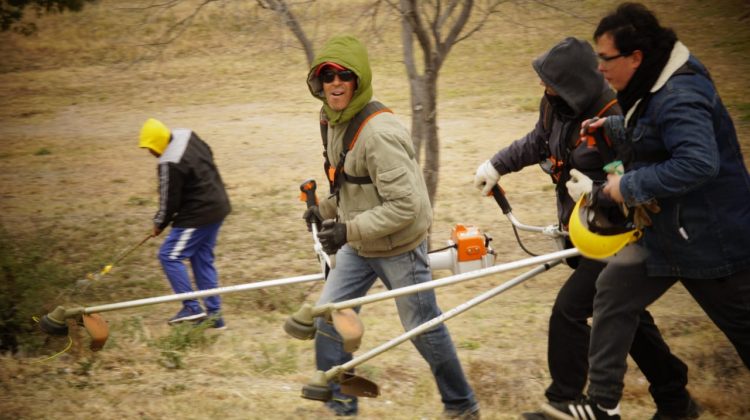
{"x":469,"y":242}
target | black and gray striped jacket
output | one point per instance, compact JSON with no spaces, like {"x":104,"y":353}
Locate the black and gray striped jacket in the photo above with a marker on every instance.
{"x":191,"y":192}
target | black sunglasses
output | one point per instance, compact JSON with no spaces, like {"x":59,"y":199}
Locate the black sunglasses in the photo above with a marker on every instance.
{"x":327,"y":76}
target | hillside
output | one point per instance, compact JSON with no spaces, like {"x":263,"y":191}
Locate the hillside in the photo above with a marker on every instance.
{"x":75,"y":191}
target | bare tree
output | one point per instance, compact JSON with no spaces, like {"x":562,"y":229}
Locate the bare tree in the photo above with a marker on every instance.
{"x":280,"y":7}
{"x":437,"y":25}
{"x":434,"y":26}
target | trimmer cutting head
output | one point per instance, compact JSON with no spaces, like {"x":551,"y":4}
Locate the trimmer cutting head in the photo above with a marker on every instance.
{"x":97,"y":328}
{"x":350,"y":328}
{"x":301,"y":324}
{"x":317,"y":389}
{"x":352,"y":384}
{"x":54,"y":322}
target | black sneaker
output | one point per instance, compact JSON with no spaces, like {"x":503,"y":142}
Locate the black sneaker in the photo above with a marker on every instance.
{"x":534,"y":415}
{"x":470,"y":414}
{"x":584,"y":409}
{"x":693,"y":411}
{"x":343,"y":407}
{"x":214,"y":320}
{"x":187,"y":314}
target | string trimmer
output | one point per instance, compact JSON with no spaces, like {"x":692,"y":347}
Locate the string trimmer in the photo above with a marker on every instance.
{"x":468,"y":250}
{"x":301,"y":324}
{"x":91,"y":277}
{"x":346,"y":322}
{"x":308,"y":195}
{"x":55,"y":322}
{"x":351,"y":384}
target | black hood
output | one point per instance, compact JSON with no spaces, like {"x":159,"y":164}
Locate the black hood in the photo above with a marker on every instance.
{"x":570,"y":68}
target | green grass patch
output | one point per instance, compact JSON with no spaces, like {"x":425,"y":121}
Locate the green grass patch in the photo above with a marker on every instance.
{"x":181,"y":338}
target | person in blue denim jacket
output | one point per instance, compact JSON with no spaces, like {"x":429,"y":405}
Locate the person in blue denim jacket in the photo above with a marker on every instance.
{"x":574,"y":90}
{"x":683,"y":160}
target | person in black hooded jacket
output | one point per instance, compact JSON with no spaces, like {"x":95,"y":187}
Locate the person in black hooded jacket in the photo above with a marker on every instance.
{"x":576,"y":91}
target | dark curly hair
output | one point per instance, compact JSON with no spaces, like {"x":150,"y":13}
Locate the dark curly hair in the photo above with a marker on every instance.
{"x":634,"y":27}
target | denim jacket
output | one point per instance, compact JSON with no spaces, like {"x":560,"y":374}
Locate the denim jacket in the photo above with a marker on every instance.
{"x":686,"y":156}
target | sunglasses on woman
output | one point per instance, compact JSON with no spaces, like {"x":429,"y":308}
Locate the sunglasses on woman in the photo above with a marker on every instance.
{"x":327,"y":76}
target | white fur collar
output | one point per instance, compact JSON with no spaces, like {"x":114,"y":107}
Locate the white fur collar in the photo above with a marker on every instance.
{"x":677,"y":58}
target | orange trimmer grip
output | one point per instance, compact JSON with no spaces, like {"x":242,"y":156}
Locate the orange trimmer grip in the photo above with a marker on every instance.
{"x":307,"y":192}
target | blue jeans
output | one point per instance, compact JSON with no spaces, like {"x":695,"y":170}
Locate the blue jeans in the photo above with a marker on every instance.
{"x":353,"y":277}
{"x":197,"y":245}
{"x":624,"y":291}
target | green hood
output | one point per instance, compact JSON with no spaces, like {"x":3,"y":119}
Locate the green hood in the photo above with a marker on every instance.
{"x":346,"y":51}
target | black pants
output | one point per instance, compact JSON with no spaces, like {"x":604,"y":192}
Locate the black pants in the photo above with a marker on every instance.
{"x":623,"y":292}
{"x":568,"y":346}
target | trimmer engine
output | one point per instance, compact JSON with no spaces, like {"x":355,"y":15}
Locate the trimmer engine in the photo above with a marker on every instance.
{"x":468,"y":249}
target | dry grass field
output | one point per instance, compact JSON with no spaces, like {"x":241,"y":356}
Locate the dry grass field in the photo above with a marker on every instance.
{"x":76,"y":188}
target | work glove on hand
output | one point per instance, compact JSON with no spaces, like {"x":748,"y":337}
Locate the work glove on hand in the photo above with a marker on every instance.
{"x":486,"y":177}
{"x":332,"y":236}
{"x":578,"y":185}
{"x":312,"y":215}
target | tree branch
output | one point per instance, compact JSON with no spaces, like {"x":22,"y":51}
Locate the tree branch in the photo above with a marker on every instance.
{"x":492,"y":9}
{"x":280,"y":7}
{"x":180,"y":26}
{"x":410,"y":12}
{"x":450,"y":40}
{"x":565,"y":11}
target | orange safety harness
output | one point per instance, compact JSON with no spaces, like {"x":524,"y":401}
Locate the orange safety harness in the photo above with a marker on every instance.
{"x":553,"y":165}
{"x":336,"y":174}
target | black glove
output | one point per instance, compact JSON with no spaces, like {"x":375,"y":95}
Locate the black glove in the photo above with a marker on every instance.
{"x":312,"y":215}
{"x":332,"y":236}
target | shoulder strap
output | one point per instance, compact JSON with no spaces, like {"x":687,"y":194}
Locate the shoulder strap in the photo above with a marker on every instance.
{"x":603,"y":143}
{"x":360,"y":120}
{"x":324,"y":137}
{"x":335,"y":175}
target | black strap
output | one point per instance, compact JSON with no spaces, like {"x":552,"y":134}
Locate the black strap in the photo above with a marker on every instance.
{"x":555,"y":166}
{"x":336,"y":176}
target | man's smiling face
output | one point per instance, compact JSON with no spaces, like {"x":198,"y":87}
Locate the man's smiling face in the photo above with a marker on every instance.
{"x":339,"y":93}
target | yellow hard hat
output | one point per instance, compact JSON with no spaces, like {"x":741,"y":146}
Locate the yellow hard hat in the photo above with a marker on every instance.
{"x":594,"y":245}
{"x":154,"y":136}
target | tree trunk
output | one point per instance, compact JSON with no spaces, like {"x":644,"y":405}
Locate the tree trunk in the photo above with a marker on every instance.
{"x":424,"y":130}
{"x":431,"y":166}
{"x":423,"y":104}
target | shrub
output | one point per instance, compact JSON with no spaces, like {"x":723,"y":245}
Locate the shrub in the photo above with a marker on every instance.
{"x":30,"y":283}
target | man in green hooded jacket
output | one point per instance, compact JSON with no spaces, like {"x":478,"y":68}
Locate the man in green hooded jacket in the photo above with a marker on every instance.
{"x":375,"y":221}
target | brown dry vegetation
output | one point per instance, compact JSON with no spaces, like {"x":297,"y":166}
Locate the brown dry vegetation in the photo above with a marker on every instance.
{"x":73,"y":98}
